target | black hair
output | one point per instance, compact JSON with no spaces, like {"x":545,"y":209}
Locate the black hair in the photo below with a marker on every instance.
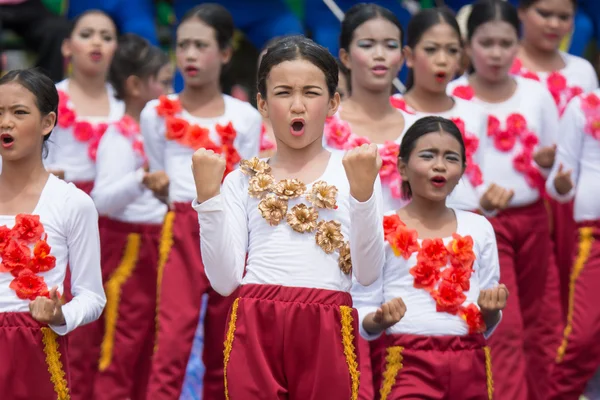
{"x":78,"y":18}
{"x":135,"y":56}
{"x":360,"y":13}
{"x":421,"y":128}
{"x":298,"y":47}
{"x":217,"y":17}
{"x":524,"y":4}
{"x":484,"y":11}
{"x":346,"y":73}
{"x":421,"y":22}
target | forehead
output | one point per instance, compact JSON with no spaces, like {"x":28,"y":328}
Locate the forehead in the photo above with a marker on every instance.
{"x":296,"y":73}
{"x":96,"y":21}
{"x":14,"y":93}
{"x":555,"y":5}
{"x":440,"y":140}
{"x":194,"y":28}
{"x":440,"y":33}
{"x":377,"y":28}
{"x":496,"y":29}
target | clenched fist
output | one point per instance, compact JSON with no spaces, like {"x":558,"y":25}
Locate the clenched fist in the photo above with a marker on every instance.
{"x":208,"y":168}
{"x":491,"y":302}
{"x":387,"y":315}
{"x":362,"y":164}
{"x":495,"y":198}
{"x":158,"y":182}
{"x":544,"y":157}
{"x":48,"y":310}
{"x":562,"y":181}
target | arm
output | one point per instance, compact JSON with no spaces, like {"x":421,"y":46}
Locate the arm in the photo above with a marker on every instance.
{"x":224,"y":234}
{"x":570,"y":147}
{"x":548,"y":129}
{"x":154,"y":137}
{"x":366,"y":237}
{"x":118,"y":182}
{"x":83,"y":243}
{"x":489,"y":274}
{"x":367,"y":300}
{"x":250,"y":146}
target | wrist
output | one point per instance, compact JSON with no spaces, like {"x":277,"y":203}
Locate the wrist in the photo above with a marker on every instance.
{"x":201,"y":197}
{"x":361,"y":195}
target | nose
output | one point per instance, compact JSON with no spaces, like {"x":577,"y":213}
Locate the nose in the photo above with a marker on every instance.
{"x":190,"y":53}
{"x":442,"y":58}
{"x":297,"y":106}
{"x":5,"y":121}
{"x":496,"y":51}
{"x":96,"y":40}
{"x":379,"y":52}
{"x":440,"y":165}
{"x":554,"y":22}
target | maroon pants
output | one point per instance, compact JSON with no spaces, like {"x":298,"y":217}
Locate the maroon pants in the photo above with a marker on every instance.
{"x":437,"y":367}
{"x":33,"y":363}
{"x":521,"y":356}
{"x":182,"y":282}
{"x":578,"y":355}
{"x":129,"y":265}
{"x":291,"y":343}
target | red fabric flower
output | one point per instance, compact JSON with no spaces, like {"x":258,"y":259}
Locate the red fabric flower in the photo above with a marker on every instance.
{"x":176,"y":128}
{"x":556,"y":82}
{"x":474,"y":319}
{"x":197,"y":137}
{"x":400,"y":104}
{"x":458,"y":276}
{"x":590,"y":104}
{"x":337,"y":132}
{"x":5,"y":235}
{"x":426,"y":276}
{"x":461,"y":251}
{"x":474,"y":173}
{"x":516,"y":124}
{"x":471,"y":143}
{"x":167,"y":107}
{"x":516,"y":66}
{"x":493,"y":125}
{"x":227,"y":133}
{"x":529,"y":140}
{"x":83,"y":131}
{"x":389,"y":160}
{"x":535,"y":179}
{"x":575,"y":91}
{"x":460,"y":124}
{"x":433,"y":252}
{"x":592,"y":126}
{"x":265,"y":141}
{"x":403,"y":241}
{"x":522,"y":161}
{"x":66,"y":117}
{"x":530,"y":75}
{"x":390,"y":223}
{"x":465,"y":92}
{"x":448,"y":298}
{"x":28,"y":228}
{"x":42,"y":259}
{"x":15,"y":257}
{"x":504,"y":140}
{"x":231,"y":155}
{"x":128,"y":126}
{"x":29,"y":286}
{"x":355,"y":141}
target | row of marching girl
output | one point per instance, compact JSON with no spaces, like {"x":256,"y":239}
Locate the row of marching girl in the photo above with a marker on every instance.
{"x":46,"y":227}
{"x":173,"y":128}
{"x":518,"y":153}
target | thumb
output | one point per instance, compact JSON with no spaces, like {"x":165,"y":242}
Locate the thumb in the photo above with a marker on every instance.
{"x":54,"y":294}
{"x":560,"y":168}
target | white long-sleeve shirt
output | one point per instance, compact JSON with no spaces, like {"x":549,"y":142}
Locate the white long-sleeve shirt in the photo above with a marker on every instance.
{"x":421,"y":317}
{"x":118,"y":190}
{"x":579,"y":152}
{"x":70,"y":220}
{"x":174,"y":158}
{"x":232,"y":225}
{"x":533,"y":102}
{"x":472,"y":119}
{"x":70,"y":155}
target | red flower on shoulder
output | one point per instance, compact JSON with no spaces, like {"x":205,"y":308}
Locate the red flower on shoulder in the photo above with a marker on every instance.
{"x":516,"y":66}
{"x":29,"y":286}
{"x":530,"y":75}
{"x":473,"y":173}
{"x":42,"y":259}
{"x":426,"y":275}
{"x":227,"y":133}
{"x":5,"y":235}
{"x":460,"y":124}
{"x":15,"y":257}
{"x":433,"y":252}
{"x":390,"y":223}
{"x":176,"y":128}
{"x":461,"y":251}
{"x":167,"y":107}
{"x":474,"y":319}
{"x":448,"y":297}
{"x":575,"y":91}
{"x":400,"y":104}
{"x":66,"y":117}
{"x":465,"y":92}
{"x":28,"y":228}
{"x":355,"y":141}
{"x":403,"y":241}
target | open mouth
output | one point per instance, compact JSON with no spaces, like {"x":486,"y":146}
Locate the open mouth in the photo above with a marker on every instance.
{"x":440,"y":76}
{"x":438,"y":181}
{"x":191,"y":71}
{"x":96,"y":55}
{"x":297,"y":127}
{"x":6,"y":140}
{"x":379,"y":69}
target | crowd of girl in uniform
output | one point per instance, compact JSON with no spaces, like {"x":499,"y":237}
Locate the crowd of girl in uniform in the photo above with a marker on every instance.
{"x":435,"y":244}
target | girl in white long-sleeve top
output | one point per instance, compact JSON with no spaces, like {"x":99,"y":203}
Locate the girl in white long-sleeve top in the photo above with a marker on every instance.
{"x":438,"y":297}
{"x":307,"y":229}
{"x":131,"y":219}
{"x":46,"y":226}
{"x":87,"y":102}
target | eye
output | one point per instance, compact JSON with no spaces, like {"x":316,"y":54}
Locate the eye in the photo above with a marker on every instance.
{"x":453,"y":50}
{"x":364,"y":43}
{"x":453,"y":158}
{"x":21,"y":112}
{"x":313,"y":93}
{"x":283,"y":92}
{"x":426,"y":155}
{"x":392,"y":44}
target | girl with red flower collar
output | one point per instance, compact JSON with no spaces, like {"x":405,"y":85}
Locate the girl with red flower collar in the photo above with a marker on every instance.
{"x":46,"y":227}
{"x":438,"y":297}
{"x":575,"y":175}
{"x":87,"y":103}
{"x":201,"y":116}
{"x":433,"y":54}
{"x":131,"y":217}
{"x":518,"y":154}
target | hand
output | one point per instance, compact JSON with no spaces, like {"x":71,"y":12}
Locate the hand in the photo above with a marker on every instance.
{"x":60,"y":174}
{"x":495,"y":198}
{"x":157,"y":182}
{"x":491,"y":301}
{"x":48,"y":310}
{"x":562,"y":181}
{"x":362,"y":165}
{"x":208,"y":168}
{"x":390,"y":313}
{"x":544,"y":157}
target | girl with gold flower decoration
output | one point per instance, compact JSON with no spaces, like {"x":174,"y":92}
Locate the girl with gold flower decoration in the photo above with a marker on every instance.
{"x":438,"y":297}
{"x":307,"y":228}
{"x":47,"y":226}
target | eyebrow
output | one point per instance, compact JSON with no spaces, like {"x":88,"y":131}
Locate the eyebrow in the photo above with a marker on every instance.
{"x":305,"y":87}
{"x":435,"y":150}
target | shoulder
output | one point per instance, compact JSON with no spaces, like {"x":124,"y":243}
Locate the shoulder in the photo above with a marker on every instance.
{"x":149,"y":111}
{"x":236,"y":180}
{"x":578,"y":63}
{"x":531,"y":86}
{"x":476,"y":225}
{"x":458,"y":82}
{"x":63,"y":85}
{"x":69,"y":198}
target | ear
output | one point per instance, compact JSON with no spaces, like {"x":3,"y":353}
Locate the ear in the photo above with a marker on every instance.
{"x":48,"y":122}
{"x":262,"y":106}
{"x":345,"y":58}
{"x":226,"y":55}
{"x":133,"y":86}
{"x":334,"y":103}
{"x":65,"y":48}
{"x":402,"y":169}
{"x":408,"y":56}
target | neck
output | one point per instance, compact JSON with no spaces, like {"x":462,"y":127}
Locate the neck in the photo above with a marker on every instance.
{"x":294,"y":159}
{"x":134,"y":108}
{"x":495,"y":86}
{"x":424,"y":100}
{"x":426,"y":210}
{"x":372,"y":103}
{"x":91,"y":85}
{"x":19,"y":174}
{"x":197,"y":96}
{"x":535,"y":53}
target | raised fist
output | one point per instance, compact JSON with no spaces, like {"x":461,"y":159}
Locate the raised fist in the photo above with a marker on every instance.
{"x":208,"y":168}
{"x":496,"y":198}
{"x":562,"y":181}
{"x":362,"y":165}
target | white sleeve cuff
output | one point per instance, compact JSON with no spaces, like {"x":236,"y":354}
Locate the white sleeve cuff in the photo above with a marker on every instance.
{"x":212,"y":204}
{"x":62,"y":330}
{"x":362,"y":314}
{"x":362,"y":205}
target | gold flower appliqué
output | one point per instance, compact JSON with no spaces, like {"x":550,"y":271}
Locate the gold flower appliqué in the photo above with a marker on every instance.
{"x":302,"y":218}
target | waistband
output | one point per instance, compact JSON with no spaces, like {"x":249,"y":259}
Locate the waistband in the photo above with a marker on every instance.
{"x":589,"y":224}
{"x":440,"y":343}
{"x":295,"y":295}
{"x":19,"y":319}
{"x":130,"y":227}
{"x":534,"y":209}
